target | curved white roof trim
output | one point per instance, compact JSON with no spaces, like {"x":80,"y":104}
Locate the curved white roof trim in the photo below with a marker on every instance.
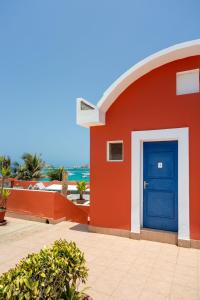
{"x":154,"y":61}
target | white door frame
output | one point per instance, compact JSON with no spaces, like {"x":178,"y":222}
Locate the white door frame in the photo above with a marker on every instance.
{"x":137,"y":139}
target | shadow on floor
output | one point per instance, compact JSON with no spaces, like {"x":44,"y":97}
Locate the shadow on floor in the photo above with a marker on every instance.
{"x":80,"y":227}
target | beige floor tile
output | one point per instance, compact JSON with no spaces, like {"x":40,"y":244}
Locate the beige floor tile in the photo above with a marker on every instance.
{"x":120,"y":264}
{"x":146,"y":295}
{"x":101,"y":261}
{"x":186,"y":281}
{"x":141,"y":270}
{"x":161,"y":286}
{"x":126,"y":291}
{"x":145,"y":261}
{"x":187,"y":261}
{"x":94,"y":273}
{"x":18,"y":253}
{"x":106,"y":284}
{"x":188,"y":252}
{"x":168,"y":249}
{"x":90,"y":257}
{"x":186,"y":271}
{"x":179,"y":292}
{"x":119,"y":268}
{"x":4,"y":268}
{"x":134,"y":279}
{"x":168,"y":258}
{"x":8,"y":265}
{"x":159,"y":274}
{"x":188,"y":257}
{"x":97,"y":295}
{"x":164,"y":266}
{"x":152,"y":246}
{"x":129,"y":287}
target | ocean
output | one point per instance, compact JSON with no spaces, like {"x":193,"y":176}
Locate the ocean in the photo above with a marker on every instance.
{"x":75,"y":174}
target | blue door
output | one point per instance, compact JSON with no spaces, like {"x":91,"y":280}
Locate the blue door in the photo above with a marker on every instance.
{"x":160,"y":207}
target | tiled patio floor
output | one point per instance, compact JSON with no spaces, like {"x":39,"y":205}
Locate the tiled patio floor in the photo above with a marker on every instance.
{"x":120,"y":268}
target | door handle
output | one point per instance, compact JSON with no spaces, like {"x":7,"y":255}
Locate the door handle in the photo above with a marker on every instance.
{"x":145,"y":184}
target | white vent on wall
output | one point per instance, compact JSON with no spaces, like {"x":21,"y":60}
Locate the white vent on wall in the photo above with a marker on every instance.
{"x":115,"y":151}
{"x":187,"y":82}
{"x":85,"y":106}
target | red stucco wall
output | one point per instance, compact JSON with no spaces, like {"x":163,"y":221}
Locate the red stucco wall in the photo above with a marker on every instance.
{"x":48,"y":205}
{"x":149,"y":103}
{"x":31,"y":203}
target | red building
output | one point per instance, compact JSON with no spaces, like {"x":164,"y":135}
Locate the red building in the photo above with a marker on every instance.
{"x":145,"y":149}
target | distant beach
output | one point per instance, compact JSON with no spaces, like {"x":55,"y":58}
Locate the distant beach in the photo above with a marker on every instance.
{"x":75,"y":174}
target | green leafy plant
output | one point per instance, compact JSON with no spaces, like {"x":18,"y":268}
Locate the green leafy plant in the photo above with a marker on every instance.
{"x":3,"y":198}
{"x":56,"y":173}
{"x":5,"y":169}
{"x":31,"y":169}
{"x":81,"y":187}
{"x":5,"y":172}
{"x":53,"y":273}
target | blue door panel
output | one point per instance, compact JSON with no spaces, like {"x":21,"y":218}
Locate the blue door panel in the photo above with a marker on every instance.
{"x":160,"y":184}
{"x":155,"y":205}
{"x":160,"y":207}
{"x":166,"y":170}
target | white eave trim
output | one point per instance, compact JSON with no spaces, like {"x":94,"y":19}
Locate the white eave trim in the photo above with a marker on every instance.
{"x":148,"y":64}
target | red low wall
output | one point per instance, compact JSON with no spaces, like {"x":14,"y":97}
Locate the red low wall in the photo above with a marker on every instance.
{"x":84,"y":208}
{"x":72,"y":212}
{"x":48,"y":205}
{"x":25,"y":183}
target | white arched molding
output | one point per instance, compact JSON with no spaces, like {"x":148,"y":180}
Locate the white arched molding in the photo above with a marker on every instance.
{"x":179,"y":51}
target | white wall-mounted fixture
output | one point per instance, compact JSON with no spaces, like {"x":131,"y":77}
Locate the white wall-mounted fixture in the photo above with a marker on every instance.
{"x":187,"y":82}
{"x":87,"y":114}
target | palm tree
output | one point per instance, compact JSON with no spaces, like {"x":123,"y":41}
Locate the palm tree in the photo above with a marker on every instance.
{"x":14,"y":169}
{"x":32,"y":167}
{"x":81,"y":187}
{"x":56,"y":173}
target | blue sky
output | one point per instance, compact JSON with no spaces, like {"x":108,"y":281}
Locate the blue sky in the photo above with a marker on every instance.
{"x":53,"y":51}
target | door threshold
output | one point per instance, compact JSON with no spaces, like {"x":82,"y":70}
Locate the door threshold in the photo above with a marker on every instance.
{"x":161,"y":236}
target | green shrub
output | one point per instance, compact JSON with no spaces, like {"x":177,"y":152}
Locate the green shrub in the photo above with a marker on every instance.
{"x":53,"y":273}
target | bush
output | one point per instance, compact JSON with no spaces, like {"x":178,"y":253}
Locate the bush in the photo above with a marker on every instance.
{"x":53,"y":273}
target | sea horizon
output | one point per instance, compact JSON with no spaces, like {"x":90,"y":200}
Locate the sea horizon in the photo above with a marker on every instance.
{"x":74,"y":173}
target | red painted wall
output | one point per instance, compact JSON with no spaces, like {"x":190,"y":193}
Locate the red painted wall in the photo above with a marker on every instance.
{"x":31,"y":203}
{"x":149,"y":103}
{"x":71,"y":211}
{"x":48,"y":205}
